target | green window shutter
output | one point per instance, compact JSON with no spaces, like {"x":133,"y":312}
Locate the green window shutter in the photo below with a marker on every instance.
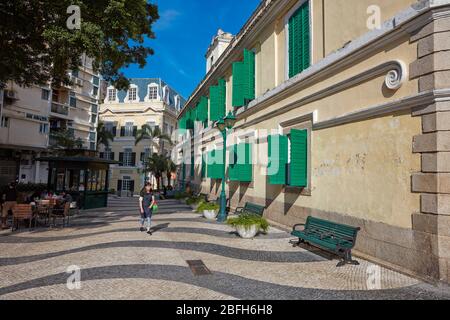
{"x":244,"y":80}
{"x":249,"y":86}
{"x":214,"y":103}
{"x":299,"y":158}
{"x":245,"y":162}
{"x":182,"y":123}
{"x":278,"y":159}
{"x":238,"y":84}
{"x":222,"y":98}
{"x":299,"y":40}
{"x":202,"y":110}
{"x":190,"y":119}
{"x":217,"y":96}
{"x":233,"y":167}
{"x":220,"y":166}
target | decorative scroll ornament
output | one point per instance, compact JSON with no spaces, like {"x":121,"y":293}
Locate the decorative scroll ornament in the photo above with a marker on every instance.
{"x":396,"y":77}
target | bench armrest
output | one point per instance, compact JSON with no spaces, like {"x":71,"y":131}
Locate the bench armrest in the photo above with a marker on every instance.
{"x":298,"y":225}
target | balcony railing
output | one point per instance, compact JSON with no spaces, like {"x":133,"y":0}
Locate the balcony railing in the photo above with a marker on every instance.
{"x":59,"y":108}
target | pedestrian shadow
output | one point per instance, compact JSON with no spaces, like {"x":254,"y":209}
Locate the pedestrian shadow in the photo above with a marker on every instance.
{"x":160,"y":227}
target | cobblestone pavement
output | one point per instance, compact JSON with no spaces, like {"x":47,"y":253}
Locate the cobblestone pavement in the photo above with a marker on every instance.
{"x":119,"y":262}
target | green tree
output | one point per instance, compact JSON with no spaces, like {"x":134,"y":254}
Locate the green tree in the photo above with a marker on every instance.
{"x":65,"y":140}
{"x":36,"y":44}
{"x":156,"y":165}
{"x":104,"y":137}
{"x":153,"y":135}
{"x":170,"y":168}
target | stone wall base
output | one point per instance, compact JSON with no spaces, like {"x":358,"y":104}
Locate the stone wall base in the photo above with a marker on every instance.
{"x":409,"y":251}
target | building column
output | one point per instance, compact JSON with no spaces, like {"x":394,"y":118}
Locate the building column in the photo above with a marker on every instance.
{"x":432,"y":69}
{"x":37,"y":172}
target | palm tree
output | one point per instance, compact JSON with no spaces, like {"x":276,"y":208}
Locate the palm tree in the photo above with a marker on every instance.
{"x":156,"y":164}
{"x":153,"y":134}
{"x":104,"y":137}
{"x":171,"y":168}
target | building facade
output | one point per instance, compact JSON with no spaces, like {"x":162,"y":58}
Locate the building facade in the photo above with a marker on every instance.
{"x":147,"y":102}
{"x":32,"y":116}
{"x":338,"y":116}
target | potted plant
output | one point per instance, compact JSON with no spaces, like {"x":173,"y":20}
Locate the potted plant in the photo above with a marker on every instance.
{"x":209,"y":210}
{"x":249,"y":225}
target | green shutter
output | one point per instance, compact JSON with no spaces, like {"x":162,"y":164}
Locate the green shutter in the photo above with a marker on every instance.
{"x":215,"y":165}
{"x":182,"y":123}
{"x":214,"y":101}
{"x":210,"y":167}
{"x":222,"y":98}
{"x":233,"y":167}
{"x":238,"y":84}
{"x":202,"y":111}
{"x":299,"y":158}
{"x":244,"y":80}
{"x":249,"y":65}
{"x":240,"y":166}
{"x":278,"y":159}
{"x":299,"y":40}
{"x":245,"y":162}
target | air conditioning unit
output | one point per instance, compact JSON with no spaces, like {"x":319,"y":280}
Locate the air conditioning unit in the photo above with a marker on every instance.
{"x":79,"y":82}
{"x":11,"y":94}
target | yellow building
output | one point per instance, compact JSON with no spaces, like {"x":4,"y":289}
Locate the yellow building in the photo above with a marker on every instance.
{"x":148,"y":101}
{"x":31,"y":116}
{"x":349,"y":98}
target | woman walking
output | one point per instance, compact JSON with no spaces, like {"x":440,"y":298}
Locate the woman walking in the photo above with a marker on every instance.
{"x":146,"y":203}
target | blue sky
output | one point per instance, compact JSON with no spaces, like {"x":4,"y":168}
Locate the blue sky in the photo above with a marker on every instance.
{"x":183,"y":34}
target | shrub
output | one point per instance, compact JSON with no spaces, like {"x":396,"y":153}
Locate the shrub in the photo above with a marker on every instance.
{"x":194,"y":200}
{"x":248,"y":220}
{"x":181,"y":195}
{"x":207,"y":206}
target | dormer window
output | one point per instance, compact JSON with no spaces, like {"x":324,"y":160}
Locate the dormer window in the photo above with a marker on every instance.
{"x":112,"y":94}
{"x":166,"y":94}
{"x":132,"y":94}
{"x":152,"y":92}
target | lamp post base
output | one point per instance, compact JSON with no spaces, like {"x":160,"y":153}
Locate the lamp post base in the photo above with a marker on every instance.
{"x":222,"y":217}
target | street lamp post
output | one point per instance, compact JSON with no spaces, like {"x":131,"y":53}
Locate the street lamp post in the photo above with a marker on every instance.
{"x":223,"y":126}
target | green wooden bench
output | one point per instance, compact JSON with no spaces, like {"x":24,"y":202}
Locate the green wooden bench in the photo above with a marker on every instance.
{"x":251,"y":208}
{"x":337,"y":238}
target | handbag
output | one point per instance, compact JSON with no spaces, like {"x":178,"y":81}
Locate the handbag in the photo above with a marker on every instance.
{"x":155,"y":208}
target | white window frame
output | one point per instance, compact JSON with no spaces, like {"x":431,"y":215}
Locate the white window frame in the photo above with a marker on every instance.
{"x":127,"y":157}
{"x":311,"y":33}
{"x":152,"y":86}
{"x":109,"y":90}
{"x":132,"y":87}
{"x":129,"y":128}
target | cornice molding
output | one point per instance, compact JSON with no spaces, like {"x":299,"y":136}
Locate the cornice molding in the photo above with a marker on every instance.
{"x":396,"y":71}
